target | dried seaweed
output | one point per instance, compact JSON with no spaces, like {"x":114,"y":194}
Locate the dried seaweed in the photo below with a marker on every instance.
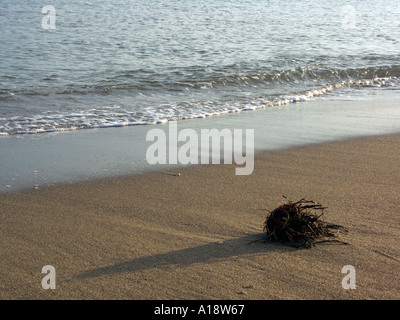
{"x":299,"y":224}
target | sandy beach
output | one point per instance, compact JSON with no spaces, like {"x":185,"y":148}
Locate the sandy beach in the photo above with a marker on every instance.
{"x":164,"y":236}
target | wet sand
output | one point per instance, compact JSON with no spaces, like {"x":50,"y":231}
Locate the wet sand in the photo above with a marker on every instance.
{"x":163,"y":236}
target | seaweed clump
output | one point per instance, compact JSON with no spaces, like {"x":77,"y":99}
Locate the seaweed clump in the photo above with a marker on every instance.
{"x":299,"y":224}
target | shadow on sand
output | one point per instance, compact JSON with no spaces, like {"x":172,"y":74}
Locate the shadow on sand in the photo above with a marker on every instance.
{"x":206,"y":253}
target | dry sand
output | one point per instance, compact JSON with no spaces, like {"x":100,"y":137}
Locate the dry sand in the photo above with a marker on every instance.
{"x":160,"y":236}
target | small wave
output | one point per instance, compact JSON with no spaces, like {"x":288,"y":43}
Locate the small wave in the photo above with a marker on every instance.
{"x":115,"y":116}
{"x":302,"y":74}
{"x":196,"y":78}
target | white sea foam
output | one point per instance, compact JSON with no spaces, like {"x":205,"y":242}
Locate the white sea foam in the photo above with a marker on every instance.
{"x":116,"y":116}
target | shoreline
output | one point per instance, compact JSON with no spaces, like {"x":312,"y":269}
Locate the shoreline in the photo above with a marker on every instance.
{"x":176,"y":170}
{"x":160,"y":236}
{"x":31,"y":162}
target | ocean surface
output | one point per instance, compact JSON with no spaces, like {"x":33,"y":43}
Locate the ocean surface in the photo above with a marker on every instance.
{"x":122,"y":63}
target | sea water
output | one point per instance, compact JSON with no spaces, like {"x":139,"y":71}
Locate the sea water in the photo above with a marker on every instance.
{"x":306,"y":71}
{"x":122,"y":63}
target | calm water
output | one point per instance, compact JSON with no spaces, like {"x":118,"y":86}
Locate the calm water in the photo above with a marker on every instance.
{"x":138,"y":62}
